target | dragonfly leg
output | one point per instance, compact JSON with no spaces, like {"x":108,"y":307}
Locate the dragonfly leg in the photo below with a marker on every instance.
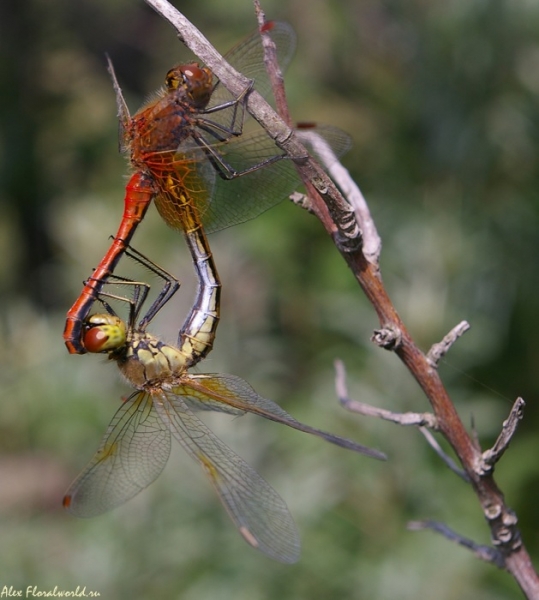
{"x":169,"y":288}
{"x":140,"y":293}
{"x":224,"y":169}
{"x":140,"y":290}
{"x":235,"y":120}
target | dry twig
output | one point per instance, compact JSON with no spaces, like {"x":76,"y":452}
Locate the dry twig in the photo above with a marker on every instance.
{"x":509,"y":427}
{"x":485,"y":553}
{"x":439,"y":350}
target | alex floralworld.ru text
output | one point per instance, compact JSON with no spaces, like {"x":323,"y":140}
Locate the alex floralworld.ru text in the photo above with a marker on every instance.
{"x":32,"y":591}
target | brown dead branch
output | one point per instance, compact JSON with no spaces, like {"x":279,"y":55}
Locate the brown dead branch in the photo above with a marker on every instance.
{"x":346,"y":224}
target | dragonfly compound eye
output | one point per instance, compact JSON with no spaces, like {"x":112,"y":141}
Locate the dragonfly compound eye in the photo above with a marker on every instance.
{"x":197,"y":83}
{"x":173,"y":79}
{"x":104,"y":333}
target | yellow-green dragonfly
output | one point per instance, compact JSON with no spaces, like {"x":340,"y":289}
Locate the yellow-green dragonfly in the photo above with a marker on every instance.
{"x":137,"y":443}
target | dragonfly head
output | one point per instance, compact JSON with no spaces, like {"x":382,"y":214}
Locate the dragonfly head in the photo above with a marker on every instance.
{"x":194,"y":81}
{"x":104,"y":333}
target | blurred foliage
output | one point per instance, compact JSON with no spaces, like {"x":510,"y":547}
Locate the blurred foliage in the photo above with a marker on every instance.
{"x":441,"y":100}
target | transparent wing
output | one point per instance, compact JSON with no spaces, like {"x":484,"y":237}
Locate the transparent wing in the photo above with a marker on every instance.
{"x":234,"y":391}
{"x":208,"y":405}
{"x":243,"y":198}
{"x":238,"y":200}
{"x":256,"y":509}
{"x":132,"y":454}
{"x":248,"y":58}
{"x":223,"y":203}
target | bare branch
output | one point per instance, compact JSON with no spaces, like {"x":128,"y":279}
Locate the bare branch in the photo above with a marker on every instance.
{"x":417,"y":419}
{"x":420,"y":420}
{"x":372,"y":243}
{"x":272,"y":66}
{"x":360,"y":226}
{"x":446,"y":459}
{"x":438,"y":351}
{"x":493,"y":455}
{"x":486,"y":553}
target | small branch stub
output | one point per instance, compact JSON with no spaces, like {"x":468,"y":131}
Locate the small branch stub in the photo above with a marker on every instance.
{"x":503,"y":525}
{"x":389,"y":337}
{"x":439,"y":350}
{"x":492,"y":456}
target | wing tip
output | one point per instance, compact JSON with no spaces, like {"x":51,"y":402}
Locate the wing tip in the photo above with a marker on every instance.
{"x":289,"y":556}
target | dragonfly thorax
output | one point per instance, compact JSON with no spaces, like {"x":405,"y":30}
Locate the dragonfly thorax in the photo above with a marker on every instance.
{"x":158,"y":128}
{"x":143,"y":359}
{"x":148,"y":361}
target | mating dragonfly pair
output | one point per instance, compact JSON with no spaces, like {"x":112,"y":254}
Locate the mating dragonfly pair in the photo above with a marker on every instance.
{"x":192,"y":156}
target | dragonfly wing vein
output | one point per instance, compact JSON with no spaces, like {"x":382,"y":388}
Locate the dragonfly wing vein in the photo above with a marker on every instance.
{"x":132,"y":454}
{"x":258,"y":512}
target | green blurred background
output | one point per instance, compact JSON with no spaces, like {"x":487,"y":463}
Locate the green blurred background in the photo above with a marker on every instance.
{"x":441,"y":100}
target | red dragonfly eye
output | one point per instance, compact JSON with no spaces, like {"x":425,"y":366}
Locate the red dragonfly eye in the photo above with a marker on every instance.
{"x":104,"y":333}
{"x":195,"y":80}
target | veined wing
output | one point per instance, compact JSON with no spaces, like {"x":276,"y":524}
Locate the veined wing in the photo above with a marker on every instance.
{"x":223,"y":203}
{"x":258,"y":512}
{"x":132,"y":454}
{"x":248,"y":58}
{"x":186,"y":185}
{"x":209,"y":405}
{"x":234,"y":391}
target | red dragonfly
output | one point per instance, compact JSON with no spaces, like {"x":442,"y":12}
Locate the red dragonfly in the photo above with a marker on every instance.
{"x":136,"y":446}
{"x":191,"y":155}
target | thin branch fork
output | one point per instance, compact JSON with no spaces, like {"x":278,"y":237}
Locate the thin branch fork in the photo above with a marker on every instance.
{"x":333,"y":211}
{"x":500,"y":518}
{"x":424,"y":421}
{"x":312,"y":200}
{"x":503,"y":524}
